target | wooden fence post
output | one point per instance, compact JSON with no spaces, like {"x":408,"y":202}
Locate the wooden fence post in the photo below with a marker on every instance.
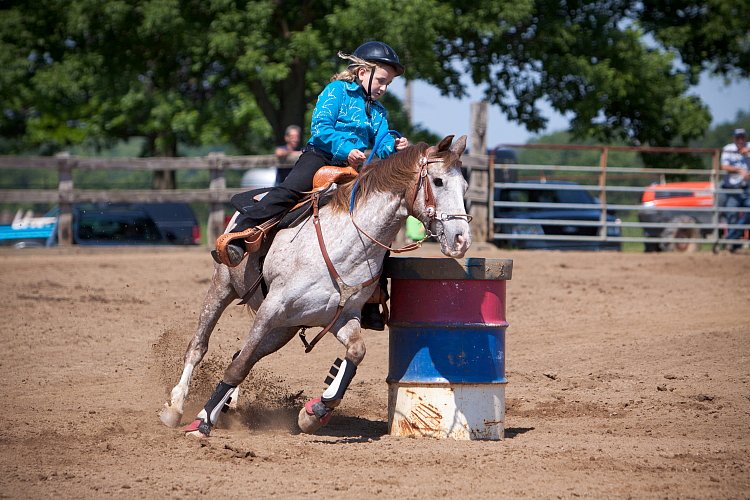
{"x":479,"y":180}
{"x":218,"y":182}
{"x":65,"y":199}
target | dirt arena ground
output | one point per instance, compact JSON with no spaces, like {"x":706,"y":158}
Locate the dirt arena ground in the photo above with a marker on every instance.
{"x":629,"y":376}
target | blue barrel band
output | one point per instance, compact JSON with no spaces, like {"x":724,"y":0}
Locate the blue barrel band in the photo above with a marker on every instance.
{"x":446,"y":354}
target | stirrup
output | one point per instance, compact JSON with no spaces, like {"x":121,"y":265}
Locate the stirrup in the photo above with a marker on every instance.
{"x":253,"y":238}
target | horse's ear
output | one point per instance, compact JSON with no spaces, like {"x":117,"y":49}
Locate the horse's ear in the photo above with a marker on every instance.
{"x":445,"y":144}
{"x":442,"y":146}
{"x":459,"y":146}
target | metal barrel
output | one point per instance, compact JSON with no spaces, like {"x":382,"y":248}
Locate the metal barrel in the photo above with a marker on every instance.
{"x":446,"y":362}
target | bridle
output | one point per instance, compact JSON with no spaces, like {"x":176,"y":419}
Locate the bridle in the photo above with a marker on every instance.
{"x":427,"y":216}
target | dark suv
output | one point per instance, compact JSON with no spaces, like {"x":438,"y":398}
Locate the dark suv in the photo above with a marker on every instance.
{"x":134,"y":224}
{"x":113,"y":224}
{"x":578,"y":216}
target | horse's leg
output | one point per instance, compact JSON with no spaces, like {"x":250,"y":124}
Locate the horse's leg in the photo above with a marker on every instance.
{"x":220,"y":294}
{"x":258,"y":344}
{"x":317,"y":412}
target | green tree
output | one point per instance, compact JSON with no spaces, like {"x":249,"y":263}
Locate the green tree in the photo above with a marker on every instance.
{"x":711,"y":35}
{"x":218,"y":71}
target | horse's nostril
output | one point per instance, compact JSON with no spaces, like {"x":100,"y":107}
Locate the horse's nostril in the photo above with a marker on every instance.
{"x":460,"y":239}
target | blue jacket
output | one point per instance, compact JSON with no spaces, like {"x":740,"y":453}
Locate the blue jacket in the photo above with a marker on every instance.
{"x":340,"y":123}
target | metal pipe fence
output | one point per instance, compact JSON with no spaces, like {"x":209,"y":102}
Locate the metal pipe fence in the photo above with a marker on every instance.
{"x":622,"y":214}
{"x":674,"y":216}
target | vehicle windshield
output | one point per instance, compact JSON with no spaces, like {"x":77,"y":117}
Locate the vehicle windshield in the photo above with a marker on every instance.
{"x":574,"y":196}
{"x":578,"y":196}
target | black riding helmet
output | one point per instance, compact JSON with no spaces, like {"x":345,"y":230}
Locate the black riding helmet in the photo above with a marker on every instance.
{"x":380,"y":52}
{"x":377,"y":52}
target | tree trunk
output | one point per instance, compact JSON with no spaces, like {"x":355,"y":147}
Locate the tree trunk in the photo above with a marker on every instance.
{"x":292,"y":99}
{"x":290,"y":94}
{"x":164,"y":144}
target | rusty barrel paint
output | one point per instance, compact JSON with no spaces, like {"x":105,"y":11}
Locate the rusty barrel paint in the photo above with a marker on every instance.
{"x":446,"y":363}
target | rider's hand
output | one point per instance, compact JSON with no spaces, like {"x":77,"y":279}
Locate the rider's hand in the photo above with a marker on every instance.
{"x":356,"y":157}
{"x":402,"y":143}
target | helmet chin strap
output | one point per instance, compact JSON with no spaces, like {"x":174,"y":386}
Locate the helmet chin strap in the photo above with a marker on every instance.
{"x":368,"y":94}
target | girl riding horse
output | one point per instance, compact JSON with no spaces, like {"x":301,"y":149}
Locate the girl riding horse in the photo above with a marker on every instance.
{"x":347,"y":120}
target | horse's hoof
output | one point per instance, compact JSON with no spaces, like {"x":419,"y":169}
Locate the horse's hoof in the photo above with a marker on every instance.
{"x":196,"y":435}
{"x":313,"y":416}
{"x":308,"y":424}
{"x":197,"y":429}
{"x":170,"y":416}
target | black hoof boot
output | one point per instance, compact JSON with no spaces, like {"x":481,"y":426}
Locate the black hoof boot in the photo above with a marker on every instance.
{"x":371,"y":318}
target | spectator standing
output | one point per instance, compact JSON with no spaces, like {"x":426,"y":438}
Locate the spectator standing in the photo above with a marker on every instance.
{"x":291,"y":149}
{"x":735,"y":163}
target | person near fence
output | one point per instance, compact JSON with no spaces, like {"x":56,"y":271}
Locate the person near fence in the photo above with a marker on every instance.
{"x":291,"y":150}
{"x":735,"y":162}
{"x":347,"y":120}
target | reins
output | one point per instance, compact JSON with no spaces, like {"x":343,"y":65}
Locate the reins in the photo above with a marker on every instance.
{"x":429,"y":210}
{"x":429,"y":199}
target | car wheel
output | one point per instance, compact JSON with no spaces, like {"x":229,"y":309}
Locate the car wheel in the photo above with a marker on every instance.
{"x":681,"y":232}
{"x":652,"y":247}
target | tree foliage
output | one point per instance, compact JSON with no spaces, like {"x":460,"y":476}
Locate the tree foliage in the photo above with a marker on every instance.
{"x":711,"y":35}
{"x":197,"y":72}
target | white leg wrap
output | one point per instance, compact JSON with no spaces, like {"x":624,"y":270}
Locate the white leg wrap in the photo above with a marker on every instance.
{"x":341,"y":374}
{"x":210,"y":412}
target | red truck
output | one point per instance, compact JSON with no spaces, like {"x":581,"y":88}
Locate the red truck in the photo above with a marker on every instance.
{"x":679,"y":203}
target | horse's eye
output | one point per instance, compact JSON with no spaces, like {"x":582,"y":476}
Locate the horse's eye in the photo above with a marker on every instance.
{"x":438,"y":181}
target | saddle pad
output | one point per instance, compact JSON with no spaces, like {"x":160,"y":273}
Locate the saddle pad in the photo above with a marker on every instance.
{"x":243,"y":203}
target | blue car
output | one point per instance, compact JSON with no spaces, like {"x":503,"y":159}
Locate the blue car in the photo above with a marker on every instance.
{"x":526,"y":214}
{"x":27,"y":231}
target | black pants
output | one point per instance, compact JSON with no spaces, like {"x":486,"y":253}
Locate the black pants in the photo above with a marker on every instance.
{"x":284,"y":196}
{"x":281,"y":174}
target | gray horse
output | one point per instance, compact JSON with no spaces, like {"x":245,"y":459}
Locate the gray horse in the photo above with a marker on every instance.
{"x":322,"y":271}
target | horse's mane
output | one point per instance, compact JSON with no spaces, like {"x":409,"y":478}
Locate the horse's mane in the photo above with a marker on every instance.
{"x":393,"y":175}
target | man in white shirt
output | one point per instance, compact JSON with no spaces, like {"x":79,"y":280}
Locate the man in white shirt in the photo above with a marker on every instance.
{"x":735,"y":163}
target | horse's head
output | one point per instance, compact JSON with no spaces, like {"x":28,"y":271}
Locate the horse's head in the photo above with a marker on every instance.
{"x":430,"y":180}
{"x":439,"y":198}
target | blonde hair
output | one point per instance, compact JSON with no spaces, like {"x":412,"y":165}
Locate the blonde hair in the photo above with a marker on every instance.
{"x":350,"y":73}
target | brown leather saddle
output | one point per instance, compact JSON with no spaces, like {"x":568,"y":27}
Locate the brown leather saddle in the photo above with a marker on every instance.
{"x":255,"y":236}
